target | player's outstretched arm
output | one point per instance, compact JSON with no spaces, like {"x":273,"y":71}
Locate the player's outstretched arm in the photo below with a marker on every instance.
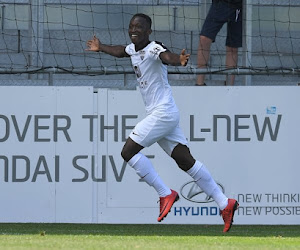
{"x":113,"y":50}
{"x":175,"y":59}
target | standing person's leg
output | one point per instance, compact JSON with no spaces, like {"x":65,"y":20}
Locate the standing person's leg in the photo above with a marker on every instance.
{"x":231,"y":62}
{"x":214,"y":21}
{"x":203,"y":57}
{"x":233,"y":41}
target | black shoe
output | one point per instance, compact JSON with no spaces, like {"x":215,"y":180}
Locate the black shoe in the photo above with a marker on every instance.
{"x":204,"y":84}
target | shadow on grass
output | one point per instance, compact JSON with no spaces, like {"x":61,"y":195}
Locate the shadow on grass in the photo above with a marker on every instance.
{"x":149,"y":230}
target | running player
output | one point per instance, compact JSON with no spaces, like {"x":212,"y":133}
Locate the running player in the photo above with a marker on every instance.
{"x":161,"y":125}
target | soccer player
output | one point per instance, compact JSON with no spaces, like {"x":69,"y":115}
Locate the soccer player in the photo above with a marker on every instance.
{"x":161,"y":125}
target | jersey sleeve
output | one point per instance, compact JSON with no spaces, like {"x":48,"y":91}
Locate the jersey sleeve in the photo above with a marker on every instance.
{"x":158,"y":48}
{"x":129,"y":49}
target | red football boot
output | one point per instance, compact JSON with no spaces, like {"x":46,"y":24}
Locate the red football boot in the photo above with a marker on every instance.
{"x":228,"y":213}
{"x":166,"y":203}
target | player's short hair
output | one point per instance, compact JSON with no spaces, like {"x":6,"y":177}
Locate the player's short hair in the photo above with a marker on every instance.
{"x":146,"y":17}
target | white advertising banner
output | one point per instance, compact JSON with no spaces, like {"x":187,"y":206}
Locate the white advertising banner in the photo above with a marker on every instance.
{"x":42,"y":136}
{"x":60,"y":155}
{"x":248,"y":137}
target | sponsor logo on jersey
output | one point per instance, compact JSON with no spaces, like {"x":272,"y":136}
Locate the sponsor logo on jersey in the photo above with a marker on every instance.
{"x":155,"y":50}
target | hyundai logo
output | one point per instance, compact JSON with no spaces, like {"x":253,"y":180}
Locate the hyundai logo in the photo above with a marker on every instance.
{"x":192,"y":192}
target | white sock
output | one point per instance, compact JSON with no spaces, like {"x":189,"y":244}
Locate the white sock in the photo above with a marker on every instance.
{"x":205,"y":181}
{"x":146,"y":171}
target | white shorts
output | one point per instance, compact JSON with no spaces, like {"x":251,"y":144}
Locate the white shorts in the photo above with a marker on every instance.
{"x":159,"y":127}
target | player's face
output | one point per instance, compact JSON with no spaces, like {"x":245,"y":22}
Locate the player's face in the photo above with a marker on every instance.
{"x":139,"y":31}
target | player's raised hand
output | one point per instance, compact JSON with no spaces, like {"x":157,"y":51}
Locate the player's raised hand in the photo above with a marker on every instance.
{"x":93,"y":44}
{"x":184,"y":58}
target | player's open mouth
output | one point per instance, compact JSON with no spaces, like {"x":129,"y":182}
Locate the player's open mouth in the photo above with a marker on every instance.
{"x":134,"y":38}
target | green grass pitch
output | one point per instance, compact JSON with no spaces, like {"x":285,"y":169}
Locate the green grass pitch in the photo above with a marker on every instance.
{"x":154,"y":236}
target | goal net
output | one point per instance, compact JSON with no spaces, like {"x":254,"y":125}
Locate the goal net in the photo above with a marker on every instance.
{"x":38,"y":36}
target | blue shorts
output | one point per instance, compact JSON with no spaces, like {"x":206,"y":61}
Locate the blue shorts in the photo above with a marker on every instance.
{"x":220,"y":13}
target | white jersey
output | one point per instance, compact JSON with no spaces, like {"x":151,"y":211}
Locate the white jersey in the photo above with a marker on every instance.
{"x":152,"y":77}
